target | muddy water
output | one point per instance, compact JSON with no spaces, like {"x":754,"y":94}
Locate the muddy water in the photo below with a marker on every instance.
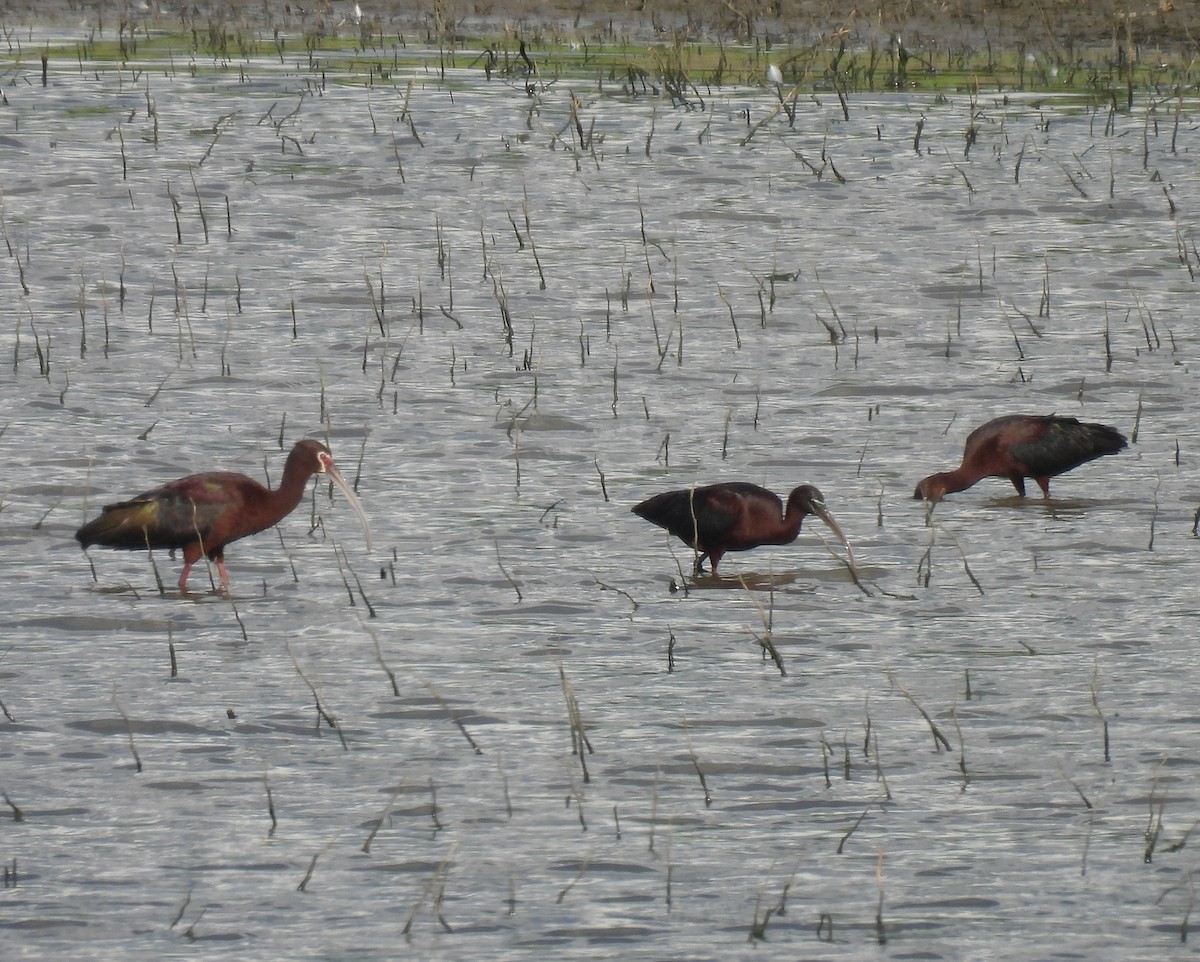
{"x":508,"y":338}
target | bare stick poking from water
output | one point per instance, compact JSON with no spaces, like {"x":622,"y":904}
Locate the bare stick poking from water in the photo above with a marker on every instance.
{"x":340,"y":554}
{"x":880,"y":933}
{"x":580,"y":745}
{"x":1094,"y":685}
{"x":624,"y":594}
{"x":433,"y":807}
{"x":454,"y":717}
{"x":312,"y":865}
{"x":963,"y":554}
{"x":270,"y":805}
{"x":171,"y":652}
{"x":1154,"y":825}
{"x":322,"y":713}
{"x":696,"y":765}
{"x":187,"y":900}
{"x":587,"y":857}
{"x":765,"y":640}
{"x":532,"y":245}
{"x":962,"y":749}
{"x":737,"y":337}
{"x":391,"y":675}
{"x":603,"y":486}
{"x":508,"y":809}
{"x":887,"y":792}
{"x":17,"y":814}
{"x":853,"y":828}
{"x":653,"y":822}
{"x":938,"y":738}
{"x":500,"y":564}
{"x":129,"y":731}
{"x":1154,"y":514}
{"x":758,"y":927}
{"x":1075,"y":785}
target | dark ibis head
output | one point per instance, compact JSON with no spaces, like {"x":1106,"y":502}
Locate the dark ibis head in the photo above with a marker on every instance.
{"x":931,"y":488}
{"x":808,"y":500}
{"x":317,"y":459}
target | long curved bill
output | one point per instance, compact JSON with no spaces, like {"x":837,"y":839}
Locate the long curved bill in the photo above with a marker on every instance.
{"x":821,"y":512}
{"x":336,"y":477}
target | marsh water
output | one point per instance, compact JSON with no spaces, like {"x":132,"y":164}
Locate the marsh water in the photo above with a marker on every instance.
{"x":511,"y":322}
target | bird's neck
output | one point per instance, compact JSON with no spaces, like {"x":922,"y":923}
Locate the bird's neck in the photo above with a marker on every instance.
{"x":947,"y":482}
{"x":291,"y":488}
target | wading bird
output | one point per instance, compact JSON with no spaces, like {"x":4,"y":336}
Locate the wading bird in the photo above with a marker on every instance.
{"x":202,"y":513}
{"x":736,"y":516}
{"x":1020,"y":446}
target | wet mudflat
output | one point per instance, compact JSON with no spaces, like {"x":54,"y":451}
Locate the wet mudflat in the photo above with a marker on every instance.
{"x":510,"y":327}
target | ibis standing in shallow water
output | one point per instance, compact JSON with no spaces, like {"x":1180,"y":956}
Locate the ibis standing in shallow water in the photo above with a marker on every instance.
{"x":202,"y":513}
{"x":735,"y":516}
{"x":1020,"y":446}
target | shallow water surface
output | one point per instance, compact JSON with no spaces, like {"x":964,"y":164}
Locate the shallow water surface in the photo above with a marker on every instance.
{"x":509,"y":336}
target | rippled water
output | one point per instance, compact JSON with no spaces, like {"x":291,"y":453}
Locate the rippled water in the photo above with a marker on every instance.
{"x":671,"y":288}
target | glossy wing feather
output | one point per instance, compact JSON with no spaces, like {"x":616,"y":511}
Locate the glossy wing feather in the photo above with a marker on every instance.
{"x":698,"y":516}
{"x":177,"y":514}
{"x":1060,"y":444}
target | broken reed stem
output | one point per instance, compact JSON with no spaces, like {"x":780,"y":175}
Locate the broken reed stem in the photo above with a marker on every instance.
{"x":171,"y":651}
{"x":1075,"y":785}
{"x":454,"y":717}
{"x":17,"y":814}
{"x":579,"y":741}
{"x":737,"y":337}
{"x":512,"y":584}
{"x":623,"y":593}
{"x":853,"y":828}
{"x":962,"y":749}
{"x":340,"y":553}
{"x":129,"y":731}
{"x":1154,"y":826}
{"x":508,"y":809}
{"x":880,"y":933}
{"x":696,"y":765}
{"x":587,"y":857}
{"x":237,"y":615}
{"x":1095,"y":689}
{"x":433,"y":807}
{"x":603,"y":486}
{"x":765,"y":641}
{"x":438,"y":881}
{"x":312,"y":865}
{"x":887,"y":792}
{"x":532,"y":246}
{"x":330,"y":720}
{"x":270,"y":805}
{"x":938,"y":738}
{"x":391,"y":675}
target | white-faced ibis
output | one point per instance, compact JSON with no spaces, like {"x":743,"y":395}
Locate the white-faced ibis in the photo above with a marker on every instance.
{"x":202,"y":513}
{"x":1020,"y":446}
{"x":735,"y":516}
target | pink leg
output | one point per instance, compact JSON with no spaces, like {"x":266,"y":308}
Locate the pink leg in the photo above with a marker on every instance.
{"x":187,"y":569}
{"x":223,"y":573}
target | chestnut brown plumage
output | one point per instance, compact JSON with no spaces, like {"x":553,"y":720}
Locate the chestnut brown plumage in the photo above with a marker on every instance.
{"x":1020,"y":446}
{"x":202,"y":513}
{"x":735,"y":516}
